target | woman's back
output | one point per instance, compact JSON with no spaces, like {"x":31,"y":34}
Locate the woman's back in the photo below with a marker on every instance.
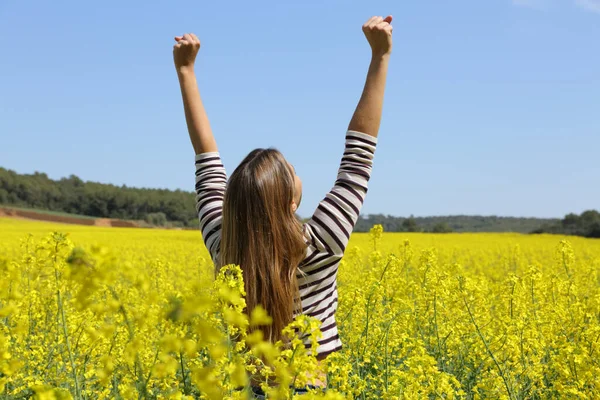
{"x":251,"y":223}
{"x":326,"y":233}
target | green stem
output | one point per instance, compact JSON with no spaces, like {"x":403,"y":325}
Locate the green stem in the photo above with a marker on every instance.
{"x":142,"y":383}
{"x":293,"y":355}
{"x":63,"y":322}
{"x":68,"y":343}
{"x":437,"y":332}
{"x":510,"y":394}
{"x":186,"y":390}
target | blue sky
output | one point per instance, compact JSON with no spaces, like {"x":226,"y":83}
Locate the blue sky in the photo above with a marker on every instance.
{"x":492,"y":107}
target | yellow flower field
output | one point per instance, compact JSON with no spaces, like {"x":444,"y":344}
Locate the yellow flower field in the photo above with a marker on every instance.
{"x":98,"y":313}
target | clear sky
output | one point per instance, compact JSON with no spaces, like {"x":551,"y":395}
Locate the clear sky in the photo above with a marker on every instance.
{"x":492,"y":107}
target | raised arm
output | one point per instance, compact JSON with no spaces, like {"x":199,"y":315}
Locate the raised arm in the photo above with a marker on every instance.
{"x":211,"y":178}
{"x":367,"y":116}
{"x":184,"y":55}
{"x":334,"y":219}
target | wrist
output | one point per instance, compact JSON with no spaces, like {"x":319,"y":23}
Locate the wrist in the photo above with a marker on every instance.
{"x":381,"y":56}
{"x":185,"y":70}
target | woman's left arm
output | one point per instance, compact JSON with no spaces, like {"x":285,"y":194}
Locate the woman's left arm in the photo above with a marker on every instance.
{"x":184,"y":56}
{"x":211,"y":178}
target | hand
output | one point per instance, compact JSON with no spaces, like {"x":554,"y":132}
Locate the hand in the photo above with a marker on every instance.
{"x":185,"y":51}
{"x":378,"y":31}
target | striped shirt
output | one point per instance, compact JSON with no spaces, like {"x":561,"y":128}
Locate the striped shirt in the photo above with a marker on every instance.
{"x":326,"y":233}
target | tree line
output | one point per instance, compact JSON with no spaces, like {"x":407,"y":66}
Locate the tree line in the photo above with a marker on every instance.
{"x":73,"y":195}
{"x":452,"y":223}
{"x":586,"y":224}
{"x":176,"y":208}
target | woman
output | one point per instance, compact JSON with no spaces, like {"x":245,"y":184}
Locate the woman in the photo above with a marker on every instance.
{"x":288,"y":268}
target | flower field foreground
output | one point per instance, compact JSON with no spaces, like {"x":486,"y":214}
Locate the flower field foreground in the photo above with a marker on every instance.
{"x":132,"y":313}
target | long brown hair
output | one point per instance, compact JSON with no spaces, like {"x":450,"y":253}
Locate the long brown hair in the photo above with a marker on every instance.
{"x":262,"y":235}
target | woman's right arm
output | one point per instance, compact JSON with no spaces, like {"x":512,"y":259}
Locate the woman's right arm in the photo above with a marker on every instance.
{"x":367,"y":116}
{"x":335,"y":217}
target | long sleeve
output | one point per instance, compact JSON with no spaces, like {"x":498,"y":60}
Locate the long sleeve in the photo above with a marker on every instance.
{"x":211,"y":181}
{"x":328,"y":232}
{"x":335,"y":217}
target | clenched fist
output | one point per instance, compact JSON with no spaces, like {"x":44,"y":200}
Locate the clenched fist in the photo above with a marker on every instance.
{"x":378,"y":31}
{"x":185,"y":51}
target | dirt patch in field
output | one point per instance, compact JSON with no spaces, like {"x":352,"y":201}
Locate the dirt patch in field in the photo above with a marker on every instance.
{"x":119,"y":223}
{"x":7,"y":212}
{"x":64,"y":219}
{"x":102,"y":222}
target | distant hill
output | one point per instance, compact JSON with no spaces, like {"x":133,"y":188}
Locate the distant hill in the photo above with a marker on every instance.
{"x":176,"y":208}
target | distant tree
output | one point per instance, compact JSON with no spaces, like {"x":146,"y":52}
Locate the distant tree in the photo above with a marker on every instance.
{"x":588,"y":219}
{"x":193,"y":222}
{"x":570,"y":220}
{"x":156,"y":219}
{"x":542,"y":229}
{"x":3,"y":196}
{"x":594,"y":231}
{"x":587,"y":224}
{"x":410,"y":225}
{"x":441,"y":227}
